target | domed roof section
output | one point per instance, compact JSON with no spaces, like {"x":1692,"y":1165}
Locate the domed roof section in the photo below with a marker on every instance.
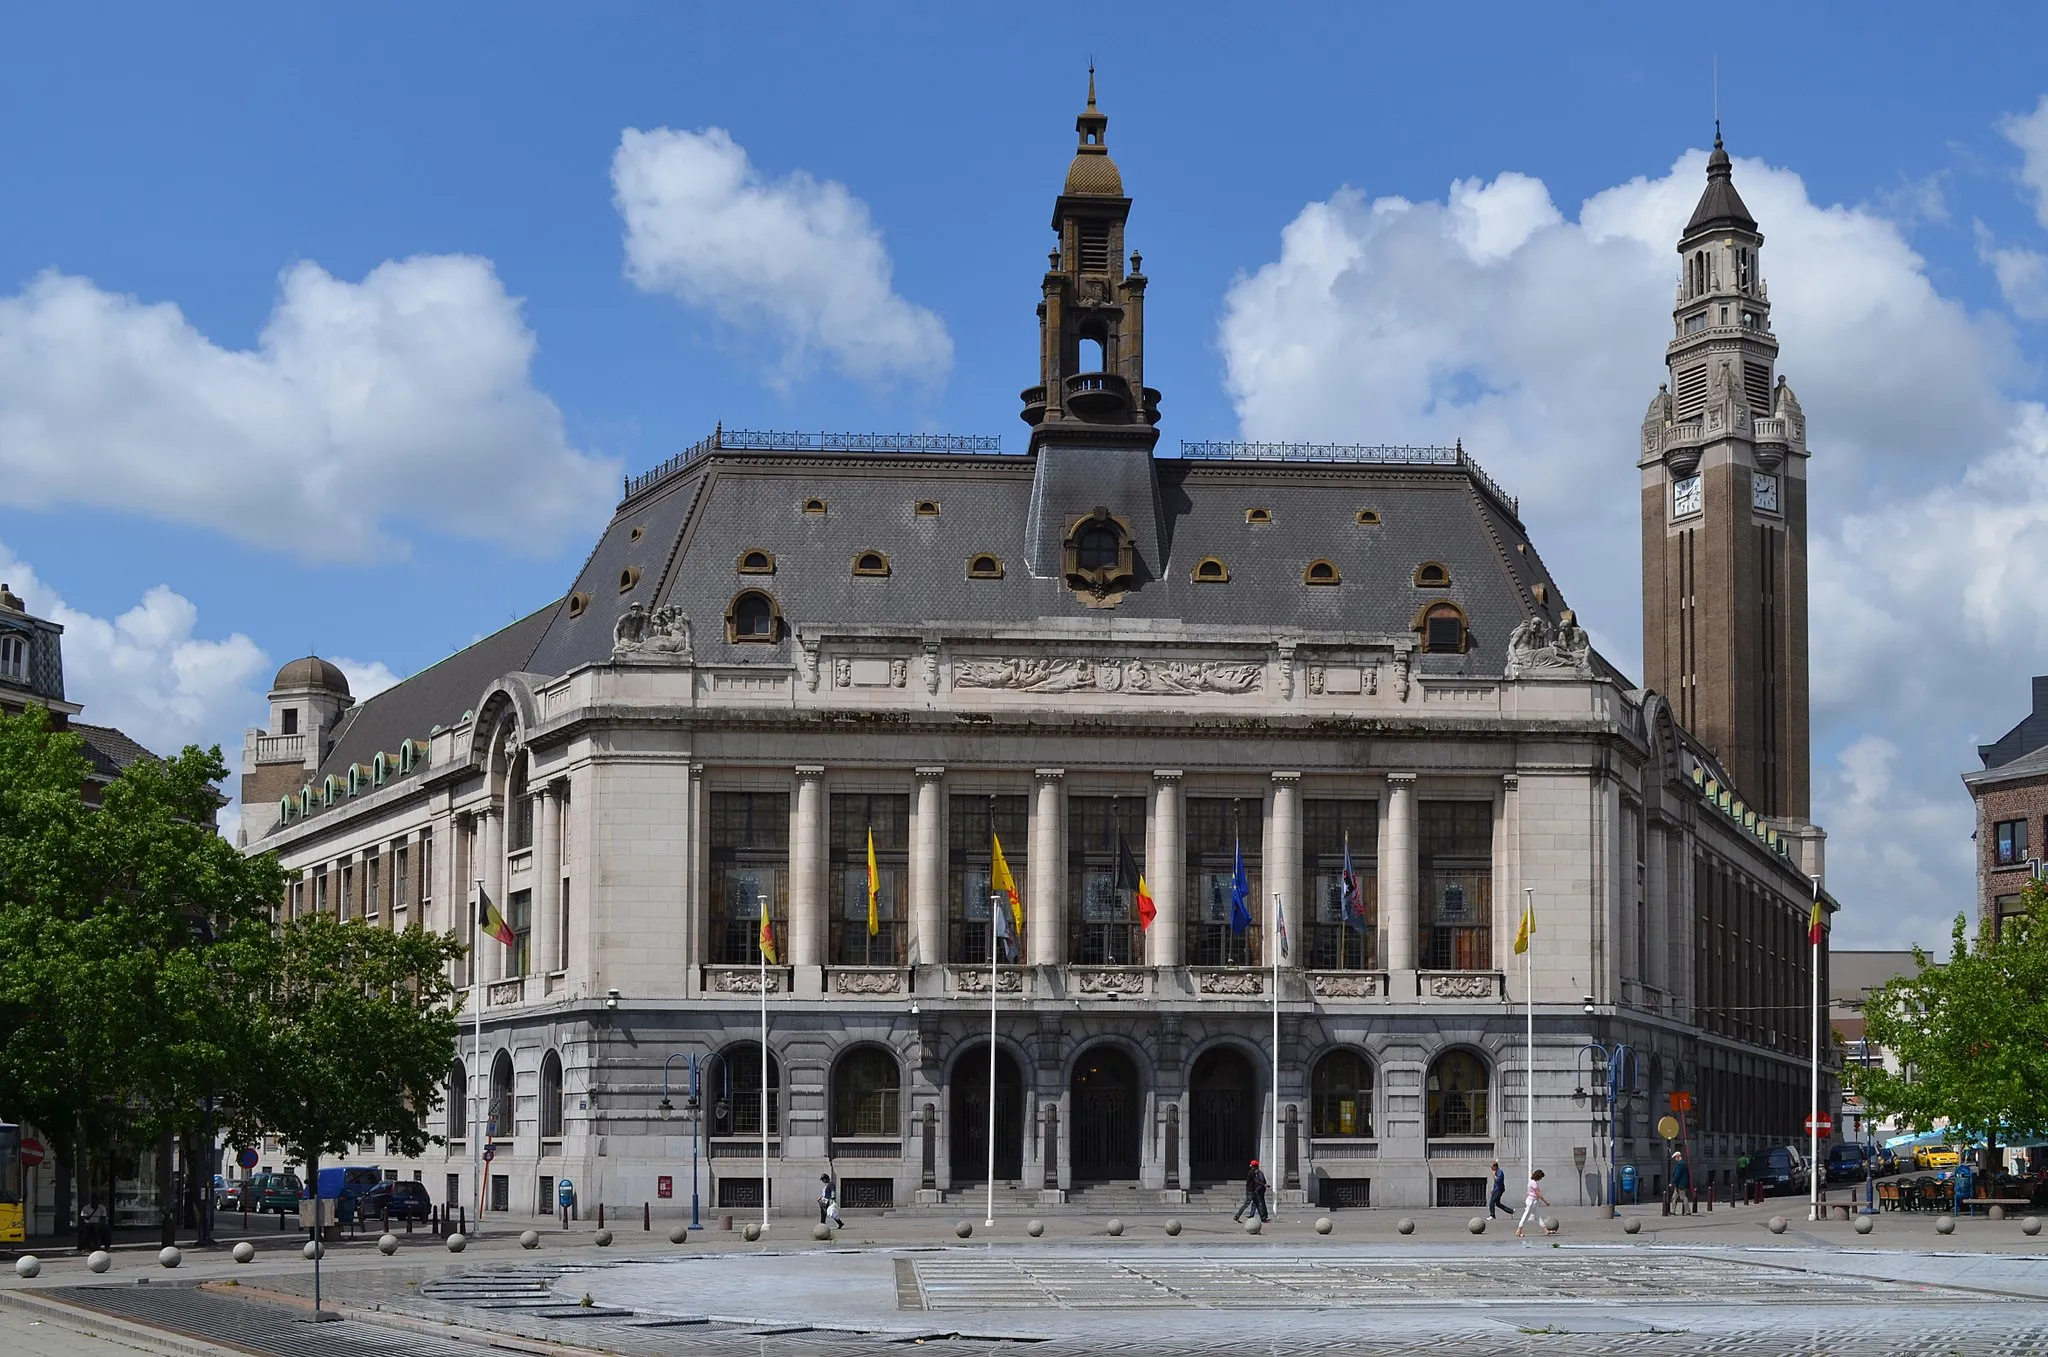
{"x":1093,"y":173}
{"x":1720,"y":205}
{"x":312,"y":672}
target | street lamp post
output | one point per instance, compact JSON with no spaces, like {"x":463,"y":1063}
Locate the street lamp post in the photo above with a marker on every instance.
{"x":693,"y":1104}
{"x":1623,"y":1072}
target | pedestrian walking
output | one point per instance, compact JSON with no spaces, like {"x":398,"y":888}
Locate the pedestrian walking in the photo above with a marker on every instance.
{"x":1500,"y":1190}
{"x":1679,"y":1194}
{"x":1254,"y":1195}
{"x":828,"y":1203}
{"x":1535,"y":1199}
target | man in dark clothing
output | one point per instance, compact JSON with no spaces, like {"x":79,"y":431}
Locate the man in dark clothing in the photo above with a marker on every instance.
{"x":1681,"y":1183}
{"x":1254,"y":1194}
{"x":1500,"y":1190}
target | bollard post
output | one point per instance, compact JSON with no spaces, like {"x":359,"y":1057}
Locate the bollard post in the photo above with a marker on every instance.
{"x":600,"y":1215}
{"x":646,"y":1216}
{"x":1713,"y":1190}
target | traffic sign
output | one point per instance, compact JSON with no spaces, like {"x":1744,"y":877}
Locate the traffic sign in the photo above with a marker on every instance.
{"x":1820,"y":1125}
{"x":1681,"y":1101}
{"x":247,"y":1158}
{"x":490,"y":1153}
{"x":1667,"y":1127}
{"x":31,"y":1153}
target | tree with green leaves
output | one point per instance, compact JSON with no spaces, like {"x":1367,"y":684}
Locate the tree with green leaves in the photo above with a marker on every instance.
{"x":1970,"y":1034}
{"x":353,"y":1029}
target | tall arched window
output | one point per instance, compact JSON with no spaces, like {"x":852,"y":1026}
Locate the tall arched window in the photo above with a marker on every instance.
{"x":1457,"y":1096}
{"x":500,"y":1124}
{"x":866,"y":1094}
{"x":735,"y":1092}
{"x":551,"y":1097}
{"x":458,"y":1101}
{"x":1340,"y":1096}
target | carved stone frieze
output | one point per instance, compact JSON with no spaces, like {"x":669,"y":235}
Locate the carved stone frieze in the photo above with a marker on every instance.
{"x":867,"y":982}
{"x":1229,"y":982}
{"x":1461,"y":987}
{"x":1170,"y":678}
{"x":662,"y":635}
{"x":972,"y":980}
{"x":1341,"y":986}
{"x":1536,"y":649}
{"x":1109,"y":982}
{"x":743,"y":980}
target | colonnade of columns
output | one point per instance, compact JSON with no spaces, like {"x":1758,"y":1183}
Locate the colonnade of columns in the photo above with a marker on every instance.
{"x":488,"y":861}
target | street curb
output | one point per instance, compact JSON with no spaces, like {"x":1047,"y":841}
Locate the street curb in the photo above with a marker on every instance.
{"x":80,"y":1319}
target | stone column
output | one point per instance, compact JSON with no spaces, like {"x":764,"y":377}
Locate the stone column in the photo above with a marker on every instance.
{"x":1166,"y":869}
{"x":1283,"y":867}
{"x":491,"y":847}
{"x":928,"y":868}
{"x":807,"y":918}
{"x":1507,"y":877}
{"x":1046,"y":940}
{"x":547,"y":893}
{"x":1397,"y":873}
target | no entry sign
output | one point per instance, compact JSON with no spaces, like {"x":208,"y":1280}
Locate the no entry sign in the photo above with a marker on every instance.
{"x":1821,"y":1124}
{"x":31,"y":1153}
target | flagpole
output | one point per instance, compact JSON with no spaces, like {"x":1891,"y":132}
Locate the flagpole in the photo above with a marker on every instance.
{"x":762,"y":954}
{"x":1274,"y":1159}
{"x":1813,"y":1120}
{"x":995,"y":902}
{"x":1529,"y":1039}
{"x":476,"y":1047}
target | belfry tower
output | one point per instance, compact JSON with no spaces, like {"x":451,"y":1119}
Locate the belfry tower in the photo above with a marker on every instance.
{"x":1093,"y":420}
{"x":1724,"y":517}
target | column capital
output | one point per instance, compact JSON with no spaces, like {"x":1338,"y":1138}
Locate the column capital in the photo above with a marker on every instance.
{"x":1166,"y":774}
{"x":810,"y":772}
{"x":929,"y":774}
{"x":1400,"y":779}
{"x":1510,"y":782}
{"x":556,"y":788}
{"x":1294,"y":776}
{"x":1050,"y":774}
{"x":697,"y":772}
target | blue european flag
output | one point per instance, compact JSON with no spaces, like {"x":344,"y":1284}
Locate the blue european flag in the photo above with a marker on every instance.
{"x":1240,"y":893}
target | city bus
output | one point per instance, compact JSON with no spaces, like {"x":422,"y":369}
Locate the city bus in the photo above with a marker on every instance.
{"x":13,"y":1230}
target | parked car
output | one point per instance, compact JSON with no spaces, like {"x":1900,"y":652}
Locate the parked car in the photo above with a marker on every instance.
{"x":1936,"y":1157}
{"x":396,"y":1201}
{"x":279,"y":1192}
{"x":1847,"y":1163}
{"x":1783,"y":1170}
{"x":1887,"y":1160}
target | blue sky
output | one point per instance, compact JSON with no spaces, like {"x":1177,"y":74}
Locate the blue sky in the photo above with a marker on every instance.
{"x":195,"y":159}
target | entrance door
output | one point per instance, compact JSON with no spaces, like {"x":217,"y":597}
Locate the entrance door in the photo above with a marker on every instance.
{"x":1104,"y":1137}
{"x":969,"y":1138}
{"x":1223,"y":1117}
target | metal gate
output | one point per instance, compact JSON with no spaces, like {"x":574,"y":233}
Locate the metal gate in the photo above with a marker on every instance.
{"x":969,"y":1132}
{"x":1223,"y":1115}
{"x":1104,"y":1142}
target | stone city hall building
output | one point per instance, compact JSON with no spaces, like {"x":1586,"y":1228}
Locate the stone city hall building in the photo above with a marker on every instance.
{"x":1117,"y":663}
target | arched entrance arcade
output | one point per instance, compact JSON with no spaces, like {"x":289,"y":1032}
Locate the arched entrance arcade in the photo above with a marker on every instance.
{"x":968,"y":1117}
{"x":1223,"y":1116}
{"x":1105,"y":1104}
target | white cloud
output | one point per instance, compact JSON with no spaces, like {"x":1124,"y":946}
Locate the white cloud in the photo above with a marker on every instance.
{"x":149,"y":673}
{"x":364,"y":409}
{"x":2029,"y":132}
{"x":2022,"y":274}
{"x":797,"y":260}
{"x":366,"y":678}
{"x":1539,"y":340}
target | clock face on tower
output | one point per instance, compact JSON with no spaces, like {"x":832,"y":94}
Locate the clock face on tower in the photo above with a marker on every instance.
{"x":1763,"y":493}
{"x":1687,"y":497}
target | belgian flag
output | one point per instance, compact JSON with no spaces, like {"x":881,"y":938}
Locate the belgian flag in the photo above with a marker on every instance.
{"x":1131,"y":877}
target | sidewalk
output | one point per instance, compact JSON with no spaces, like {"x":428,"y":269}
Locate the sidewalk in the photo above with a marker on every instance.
{"x":31,"y":1327}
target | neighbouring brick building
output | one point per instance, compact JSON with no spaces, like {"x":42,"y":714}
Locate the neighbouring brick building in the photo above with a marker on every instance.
{"x":2011,"y":796}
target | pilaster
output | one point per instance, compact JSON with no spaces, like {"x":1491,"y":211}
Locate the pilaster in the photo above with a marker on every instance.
{"x":1398,"y":875}
{"x":1046,"y":944}
{"x":927,"y":868}
{"x":807,"y":879}
{"x":1165,"y":859}
{"x":1282,"y":865}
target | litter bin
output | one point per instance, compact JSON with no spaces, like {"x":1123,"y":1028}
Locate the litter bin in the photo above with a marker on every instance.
{"x":1628,"y":1181}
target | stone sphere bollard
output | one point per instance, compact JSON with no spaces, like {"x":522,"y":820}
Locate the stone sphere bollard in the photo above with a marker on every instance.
{"x":752,"y":1233}
{"x":1996,"y":1213}
{"x":964,"y":1229}
{"x":1035,"y":1228}
{"x":1477,"y":1225}
{"x":2030,"y":1226}
{"x":1550,"y":1225}
{"x":245,"y":1252}
{"x":28,"y":1265}
{"x":529,"y":1239}
{"x":604,"y":1239}
{"x":310,"y":1250}
{"x":681,"y":1234}
{"x":1324,"y":1225}
{"x":457,"y":1242}
{"x":1776,"y":1225}
{"x":1632,"y":1226}
{"x":1405,"y":1225}
{"x":387,"y":1244}
{"x":1865,"y":1224}
{"x":1116,"y":1227}
{"x":100,"y":1261}
{"x":1173,"y":1227}
{"x":821,"y":1233}
{"x":1944,"y":1224}
{"x":170,"y":1256}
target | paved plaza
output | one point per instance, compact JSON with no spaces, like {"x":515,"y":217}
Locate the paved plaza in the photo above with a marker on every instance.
{"x":1718,"y":1285}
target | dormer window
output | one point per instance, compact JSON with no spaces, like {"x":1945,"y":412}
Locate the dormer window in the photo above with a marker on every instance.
{"x":1098,"y":555}
{"x":1368,"y":518}
{"x":984,"y":567}
{"x":1432,"y":575}
{"x":1096,"y":547}
{"x":814,"y":506}
{"x":1258,"y":515}
{"x":753,"y":617}
{"x":757,"y":561}
{"x":578,"y":601}
{"x":1443,"y":630}
{"x":927,"y":508}
{"x":1210,"y":570}
{"x":629,"y":577}
{"x":14,"y":658}
{"x":872,"y":563}
{"x":1321,"y":572}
